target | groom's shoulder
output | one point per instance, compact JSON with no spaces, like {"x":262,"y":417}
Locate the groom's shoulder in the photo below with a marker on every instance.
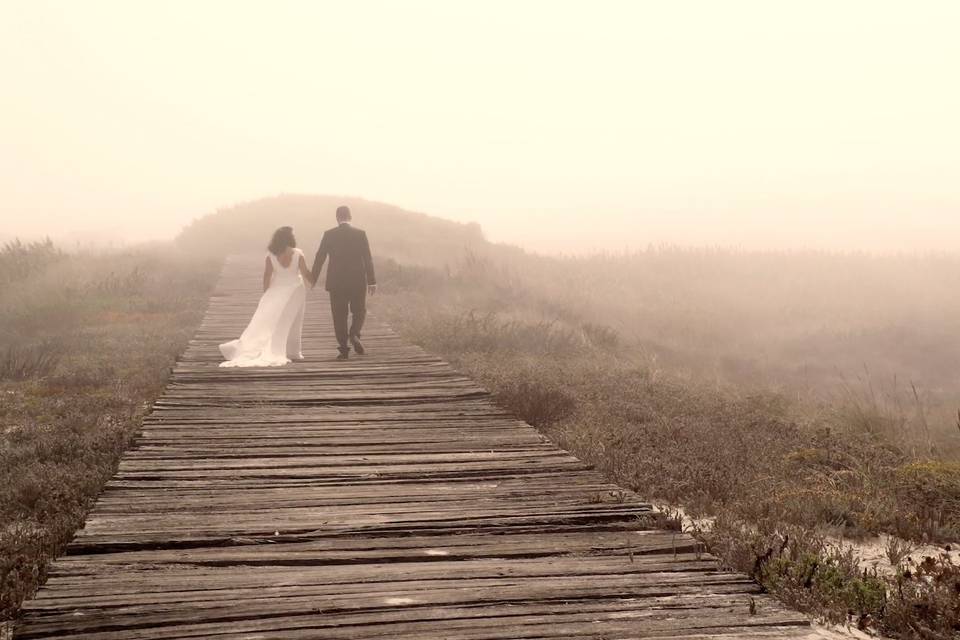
{"x":350,"y":230}
{"x":344,"y":232}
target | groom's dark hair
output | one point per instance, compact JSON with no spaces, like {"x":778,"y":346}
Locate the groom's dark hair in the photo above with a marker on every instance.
{"x":343,"y":213}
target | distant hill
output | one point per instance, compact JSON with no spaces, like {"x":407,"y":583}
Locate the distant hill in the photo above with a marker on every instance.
{"x":405,"y":236}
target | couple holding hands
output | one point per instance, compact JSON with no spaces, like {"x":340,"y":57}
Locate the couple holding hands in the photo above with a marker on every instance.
{"x":273,"y":335}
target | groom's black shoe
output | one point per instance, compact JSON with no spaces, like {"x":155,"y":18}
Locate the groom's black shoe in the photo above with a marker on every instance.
{"x":357,"y":345}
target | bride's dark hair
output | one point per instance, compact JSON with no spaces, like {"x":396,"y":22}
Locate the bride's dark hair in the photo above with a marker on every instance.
{"x":282,"y":238}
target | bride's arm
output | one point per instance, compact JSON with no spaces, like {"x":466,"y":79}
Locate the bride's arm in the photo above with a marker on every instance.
{"x":305,"y":272}
{"x":267,"y":272}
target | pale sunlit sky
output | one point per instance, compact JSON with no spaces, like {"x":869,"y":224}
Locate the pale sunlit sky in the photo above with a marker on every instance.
{"x":560,"y":126}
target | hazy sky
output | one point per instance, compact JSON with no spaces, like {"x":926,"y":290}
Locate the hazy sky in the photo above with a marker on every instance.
{"x":557,"y":125}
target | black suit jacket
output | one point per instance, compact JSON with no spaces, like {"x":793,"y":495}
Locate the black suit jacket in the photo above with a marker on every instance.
{"x":351,"y":265}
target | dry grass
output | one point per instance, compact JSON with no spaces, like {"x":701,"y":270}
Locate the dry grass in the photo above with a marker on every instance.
{"x":23,"y":362}
{"x":86,"y":342}
{"x":19,"y":260}
{"x":830,"y":329}
{"x":898,"y":550}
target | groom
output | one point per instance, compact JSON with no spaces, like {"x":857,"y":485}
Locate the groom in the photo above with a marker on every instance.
{"x":349,"y":277}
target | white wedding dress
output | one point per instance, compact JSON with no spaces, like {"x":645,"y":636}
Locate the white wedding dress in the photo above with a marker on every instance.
{"x":273,"y":336}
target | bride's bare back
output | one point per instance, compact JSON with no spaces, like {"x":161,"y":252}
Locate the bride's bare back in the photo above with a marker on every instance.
{"x":285,"y":260}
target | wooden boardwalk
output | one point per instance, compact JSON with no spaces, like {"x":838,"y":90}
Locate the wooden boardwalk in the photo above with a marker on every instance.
{"x":384,"y":497}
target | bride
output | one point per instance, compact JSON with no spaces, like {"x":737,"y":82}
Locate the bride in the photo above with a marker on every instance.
{"x":273,"y":336}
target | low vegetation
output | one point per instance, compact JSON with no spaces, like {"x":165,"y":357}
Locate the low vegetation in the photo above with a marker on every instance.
{"x":813,"y":573}
{"x":86,"y":342}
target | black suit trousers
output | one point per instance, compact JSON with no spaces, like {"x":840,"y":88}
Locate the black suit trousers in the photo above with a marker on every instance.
{"x":343,"y":303}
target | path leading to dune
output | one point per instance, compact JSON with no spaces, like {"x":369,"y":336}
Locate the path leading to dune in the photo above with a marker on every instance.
{"x":384,"y":497}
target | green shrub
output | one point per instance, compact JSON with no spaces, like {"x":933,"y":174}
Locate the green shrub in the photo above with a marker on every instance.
{"x":802,"y":569}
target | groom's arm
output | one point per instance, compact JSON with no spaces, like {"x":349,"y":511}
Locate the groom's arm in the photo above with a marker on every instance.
{"x":322,"y":253}
{"x":368,"y":262}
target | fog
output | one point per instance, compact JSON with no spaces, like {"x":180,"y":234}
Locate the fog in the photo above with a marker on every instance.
{"x":562,"y":127}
